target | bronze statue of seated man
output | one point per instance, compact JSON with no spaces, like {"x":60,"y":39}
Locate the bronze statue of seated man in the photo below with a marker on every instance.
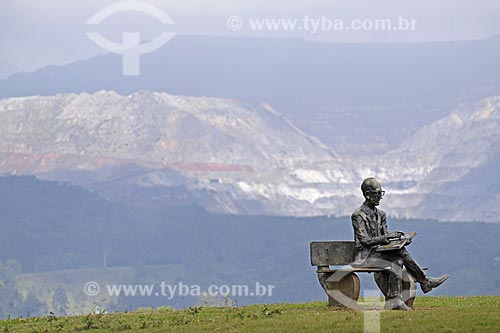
{"x":370,"y":232}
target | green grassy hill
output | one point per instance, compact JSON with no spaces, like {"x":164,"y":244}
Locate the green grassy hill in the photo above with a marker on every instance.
{"x":431,"y":314}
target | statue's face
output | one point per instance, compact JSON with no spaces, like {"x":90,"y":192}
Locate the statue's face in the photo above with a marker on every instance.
{"x":374,"y":194}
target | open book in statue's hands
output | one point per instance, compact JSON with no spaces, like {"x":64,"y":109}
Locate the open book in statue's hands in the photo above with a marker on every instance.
{"x":397,"y":240}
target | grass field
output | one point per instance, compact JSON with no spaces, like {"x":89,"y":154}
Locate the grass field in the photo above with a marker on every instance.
{"x":431,"y":314}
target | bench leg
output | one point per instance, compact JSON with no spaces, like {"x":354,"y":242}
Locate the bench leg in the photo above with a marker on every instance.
{"x":349,"y":286}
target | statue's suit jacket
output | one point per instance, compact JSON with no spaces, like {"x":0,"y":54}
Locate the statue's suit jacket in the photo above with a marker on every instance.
{"x":370,"y":228}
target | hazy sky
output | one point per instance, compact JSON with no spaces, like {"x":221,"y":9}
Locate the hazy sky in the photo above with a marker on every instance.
{"x":36,"y":33}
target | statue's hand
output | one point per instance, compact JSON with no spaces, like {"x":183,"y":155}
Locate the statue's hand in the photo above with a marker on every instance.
{"x":395,"y":234}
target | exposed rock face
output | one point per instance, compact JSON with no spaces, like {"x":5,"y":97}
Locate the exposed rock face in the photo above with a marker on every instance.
{"x":462,"y":154}
{"x":235,"y":157}
{"x":87,"y":131}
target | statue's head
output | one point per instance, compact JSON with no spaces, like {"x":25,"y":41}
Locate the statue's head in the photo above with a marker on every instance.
{"x":372,"y":191}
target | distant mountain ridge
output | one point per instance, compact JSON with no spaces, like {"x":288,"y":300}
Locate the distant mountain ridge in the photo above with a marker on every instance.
{"x":230,"y":68}
{"x":6,"y":68}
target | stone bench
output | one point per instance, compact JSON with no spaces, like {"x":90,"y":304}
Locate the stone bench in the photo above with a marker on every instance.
{"x":338,"y":277}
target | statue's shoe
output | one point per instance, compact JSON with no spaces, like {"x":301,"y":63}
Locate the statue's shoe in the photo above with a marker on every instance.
{"x":396,"y":303}
{"x":433,"y":283}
